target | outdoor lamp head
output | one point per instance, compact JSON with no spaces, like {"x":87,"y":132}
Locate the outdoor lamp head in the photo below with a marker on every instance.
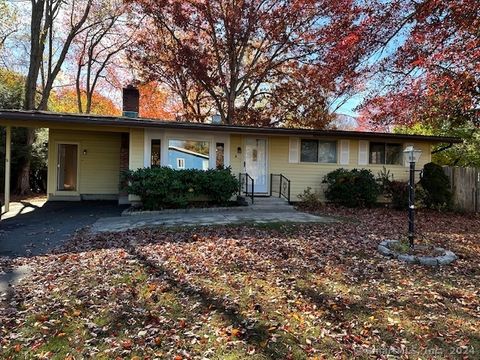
{"x":411,"y":154}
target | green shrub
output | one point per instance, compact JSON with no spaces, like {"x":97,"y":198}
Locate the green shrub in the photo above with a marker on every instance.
{"x":436,"y":185}
{"x":352,"y":188}
{"x":163,"y":187}
{"x":398,"y":190}
{"x":309,"y":200}
{"x":384,"y":179}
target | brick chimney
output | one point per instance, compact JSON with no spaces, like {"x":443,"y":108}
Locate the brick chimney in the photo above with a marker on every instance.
{"x":131,"y":101}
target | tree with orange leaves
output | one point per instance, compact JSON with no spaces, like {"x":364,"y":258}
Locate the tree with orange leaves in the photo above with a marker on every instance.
{"x":65,"y":101}
{"x":155,"y":102}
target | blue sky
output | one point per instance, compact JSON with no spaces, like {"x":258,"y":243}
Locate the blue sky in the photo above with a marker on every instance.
{"x":349,"y":107}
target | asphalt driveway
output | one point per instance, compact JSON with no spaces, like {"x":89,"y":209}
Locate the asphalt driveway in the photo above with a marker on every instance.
{"x":39,"y":227}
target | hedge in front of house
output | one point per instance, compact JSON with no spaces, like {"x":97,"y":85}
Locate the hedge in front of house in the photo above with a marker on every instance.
{"x":435,"y":182}
{"x":163,"y":187}
{"x":351,"y":188}
{"x":399,"y":191}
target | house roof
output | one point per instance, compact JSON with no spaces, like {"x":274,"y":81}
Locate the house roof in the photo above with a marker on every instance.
{"x":190,"y":152}
{"x":106,"y":121}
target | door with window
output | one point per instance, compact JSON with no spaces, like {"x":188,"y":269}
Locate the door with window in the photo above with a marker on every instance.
{"x":67,"y":167}
{"x":256,"y":162}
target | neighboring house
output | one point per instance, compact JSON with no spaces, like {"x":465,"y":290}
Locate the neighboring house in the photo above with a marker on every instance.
{"x":181,"y":158}
{"x":86,"y":153}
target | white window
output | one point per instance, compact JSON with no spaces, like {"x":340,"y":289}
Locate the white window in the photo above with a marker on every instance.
{"x":180,"y":163}
{"x":193,"y":154}
{"x":385,"y":153}
{"x":320,"y":151}
{"x":155,"y":153}
{"x":205,"y":165}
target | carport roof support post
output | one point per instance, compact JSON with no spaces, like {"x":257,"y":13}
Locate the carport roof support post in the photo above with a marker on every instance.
{"x":8,"y":151}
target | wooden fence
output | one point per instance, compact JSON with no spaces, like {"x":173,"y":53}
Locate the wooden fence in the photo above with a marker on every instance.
{"x":465,"y":184}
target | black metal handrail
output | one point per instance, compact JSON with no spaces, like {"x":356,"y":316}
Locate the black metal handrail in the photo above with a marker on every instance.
{"x":244,"y":178}
{"x":283,"y":186}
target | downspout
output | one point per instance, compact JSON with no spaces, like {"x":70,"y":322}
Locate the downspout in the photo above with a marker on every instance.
{"x":443,"y":148}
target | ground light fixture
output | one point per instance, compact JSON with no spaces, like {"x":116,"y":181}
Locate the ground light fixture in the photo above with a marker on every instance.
{"x":411,"y":156}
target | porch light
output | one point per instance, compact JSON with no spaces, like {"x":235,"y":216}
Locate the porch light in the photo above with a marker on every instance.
{"x":411,"y":155}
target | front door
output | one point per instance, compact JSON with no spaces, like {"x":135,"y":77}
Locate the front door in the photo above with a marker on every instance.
{"x":256,"y":162}
{"x":67,"y":164}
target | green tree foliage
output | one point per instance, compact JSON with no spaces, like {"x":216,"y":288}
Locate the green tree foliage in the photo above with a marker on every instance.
{"x":464,"y":154}
{"x":12,"y":97}
{"x":352,"y":188}
{"x":11,"y":89}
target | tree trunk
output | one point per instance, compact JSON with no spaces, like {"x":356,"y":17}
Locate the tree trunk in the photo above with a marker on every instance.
{"x":37,"y":44}
{"x":23,"y":179}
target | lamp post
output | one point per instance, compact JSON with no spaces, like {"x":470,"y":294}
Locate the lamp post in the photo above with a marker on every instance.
{"x":411,"y":156}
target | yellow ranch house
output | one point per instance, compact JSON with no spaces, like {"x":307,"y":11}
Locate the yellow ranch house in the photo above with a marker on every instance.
{"x":86,"y":154}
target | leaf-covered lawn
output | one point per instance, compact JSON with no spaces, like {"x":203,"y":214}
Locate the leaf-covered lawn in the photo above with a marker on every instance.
{"x":257,"y":292}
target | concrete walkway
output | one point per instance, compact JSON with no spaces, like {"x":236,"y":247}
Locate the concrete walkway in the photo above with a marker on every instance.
{"x":201,"y":217}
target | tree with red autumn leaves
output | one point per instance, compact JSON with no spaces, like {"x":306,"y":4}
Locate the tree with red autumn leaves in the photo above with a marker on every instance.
{"x":255,"y":61}
{"x":430,"y":65}
{"x":428,"y":74}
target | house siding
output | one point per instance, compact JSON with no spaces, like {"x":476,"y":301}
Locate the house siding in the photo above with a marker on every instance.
{"x":304,"y":175}
{"x":136,"y":149}
{"x":191,"y":161}
{"x":236,"y":160}
{"x":98,"y":169}
{"x":135,"y":161}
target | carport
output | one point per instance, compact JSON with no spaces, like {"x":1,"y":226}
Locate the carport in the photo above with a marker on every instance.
{"x":85,"y":154}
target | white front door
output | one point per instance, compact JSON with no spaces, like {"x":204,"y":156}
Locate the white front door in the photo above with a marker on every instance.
{"x":256,"y":162}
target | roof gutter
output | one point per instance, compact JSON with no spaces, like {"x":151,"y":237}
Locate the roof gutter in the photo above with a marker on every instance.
{"x":443,"y":148}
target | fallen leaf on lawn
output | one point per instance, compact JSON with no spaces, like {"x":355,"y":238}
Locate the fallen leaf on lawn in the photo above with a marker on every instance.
{"x":127,"y":344}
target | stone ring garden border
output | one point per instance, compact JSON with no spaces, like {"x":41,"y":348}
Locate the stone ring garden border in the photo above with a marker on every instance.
{"x":448,"y":256}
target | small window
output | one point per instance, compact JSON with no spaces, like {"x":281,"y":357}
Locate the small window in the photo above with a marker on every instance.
{"x":155,"y":153}
{"x":309,"y":151}
{"x":205,"y":165}
{"x":377,"y":153}
{"x":385,"y":153}
{"x":327,"y":152}
{"x":180,"y":163}
{"x":393,"y":154}
{"x":220,"y":156}
{"x":320,"y":151}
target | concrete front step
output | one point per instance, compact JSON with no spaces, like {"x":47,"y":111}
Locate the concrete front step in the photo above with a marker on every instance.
{"x":268,"y":209}
{"x":270,"y":200}
{"x":271,"y":204}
